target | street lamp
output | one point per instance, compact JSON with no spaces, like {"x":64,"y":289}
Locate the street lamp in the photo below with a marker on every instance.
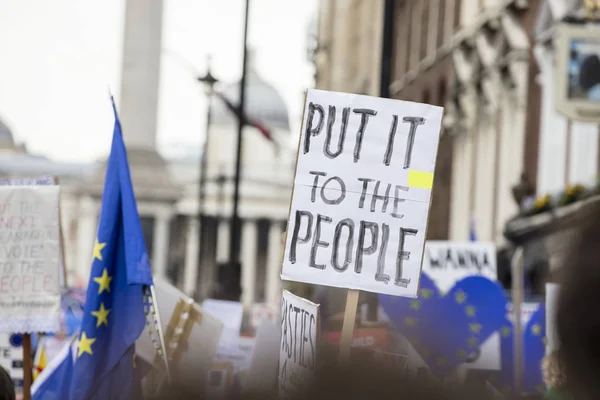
{"x":208,"y":81}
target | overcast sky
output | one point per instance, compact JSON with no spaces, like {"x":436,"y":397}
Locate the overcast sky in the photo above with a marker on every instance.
{"x":58,"y":58}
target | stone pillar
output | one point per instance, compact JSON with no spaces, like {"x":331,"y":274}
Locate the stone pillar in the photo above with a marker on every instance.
{"x":249,"y":239}
{"x":160,"y":245}
{"x":223,"y":241}
{"x":86,"y":234}
{"x":142,"y":44}
{"x":192,"y":251}
{"x":273,"y":289}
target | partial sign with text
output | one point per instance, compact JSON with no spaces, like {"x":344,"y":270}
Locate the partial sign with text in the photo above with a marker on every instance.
{"x":29,"y":259}
{"x":361,"y":193}
{"x":298,"y":353}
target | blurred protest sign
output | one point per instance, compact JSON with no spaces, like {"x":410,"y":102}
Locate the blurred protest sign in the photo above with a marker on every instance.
{"x":29,"y":259}
{"x":231,"y":314}
{"x":191,"y":335}
{"x":262,"y":311}
{"x":298,"y":352}
{"x":262,"y":374}
{"x":11,"y":357}
{"x":447,"y":262}
{"x":359,"y":209}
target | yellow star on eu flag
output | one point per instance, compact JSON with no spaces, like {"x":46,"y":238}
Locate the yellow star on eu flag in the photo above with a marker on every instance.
{"x":473,"y":341}
{"x":410,"y":321}
{"x":103,"y":281}
{"x":505,"y":331}
{"x":545,"y":341}
{"x":85,"y":345}
{"x":415,"y":305}
{"x":426,"y":293}
{"x":536,"y":329}
{"x":98,"y":250}
{"x":470,"y":311}
{"x":475,"y":328}
{"x":440,"y":361}
{"x":461,"y":355}
{"x":101,"y":315}
{"x":460,"y":297}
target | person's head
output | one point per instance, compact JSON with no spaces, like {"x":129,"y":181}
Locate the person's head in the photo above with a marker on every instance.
{"x":577,"y":321}
{"x":7,"y":388}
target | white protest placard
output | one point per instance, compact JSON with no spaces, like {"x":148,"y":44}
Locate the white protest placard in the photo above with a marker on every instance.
{"x":29,"y":259}
{"x":262,"y":374}
{"x":361,"y":194}
{"x":298,"y":351}
{"x":231,"y":314}
{"x":447,"y":262}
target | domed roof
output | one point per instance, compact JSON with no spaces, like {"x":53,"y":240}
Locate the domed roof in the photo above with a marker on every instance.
{"x":263,"y":102}
{"x":6,"y":137}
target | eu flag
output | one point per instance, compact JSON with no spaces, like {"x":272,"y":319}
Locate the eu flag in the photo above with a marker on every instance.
{"x":105,"y":366}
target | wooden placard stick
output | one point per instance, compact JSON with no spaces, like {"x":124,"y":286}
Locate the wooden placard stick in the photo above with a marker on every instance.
{"x":348,"y":325}
{"x":27,"y":366}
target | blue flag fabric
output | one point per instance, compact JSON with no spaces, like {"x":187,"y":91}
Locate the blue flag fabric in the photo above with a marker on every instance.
{"x":114,"y":315}
{"x":54,"y":381}
{"x":534,"y":348}
{"x":467,"y":315}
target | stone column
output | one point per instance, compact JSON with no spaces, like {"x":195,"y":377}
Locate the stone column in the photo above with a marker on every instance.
{"x":86,"y":235}
{"x":249,"y":238}
{"x":160,"y":245}
{"x":140,"y":73}
{"x":273,"y":289}
{"x":192,"y":251}
{"x":223,"y":241}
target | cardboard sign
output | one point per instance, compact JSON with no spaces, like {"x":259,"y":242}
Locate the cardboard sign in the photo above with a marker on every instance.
{"x":191,"y":335}
{"x":231,"y":314}
{"x":262,"y":374}
{"x":29,"y":259}
{"x":375,"y":338}
{"x":361,"y":194}
{"x":448,"y":262}
{"x":298,"y":351}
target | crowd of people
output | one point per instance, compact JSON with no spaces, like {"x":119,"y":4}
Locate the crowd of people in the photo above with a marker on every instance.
{"x":571,"y":372}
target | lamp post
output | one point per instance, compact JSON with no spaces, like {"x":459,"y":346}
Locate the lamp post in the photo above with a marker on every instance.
{"x":234,"y":290}
{"x":208,"y":81}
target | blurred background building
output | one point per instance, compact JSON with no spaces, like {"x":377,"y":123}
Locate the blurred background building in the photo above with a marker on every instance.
{"x":490,"y":64}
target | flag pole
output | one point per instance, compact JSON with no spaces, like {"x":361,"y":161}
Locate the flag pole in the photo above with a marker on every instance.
{"x":234,"y":232}
{"x":161,"y":335}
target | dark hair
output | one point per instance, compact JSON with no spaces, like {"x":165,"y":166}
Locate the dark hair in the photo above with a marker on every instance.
{"x":7,"y":388}
{"x":577,"y":321}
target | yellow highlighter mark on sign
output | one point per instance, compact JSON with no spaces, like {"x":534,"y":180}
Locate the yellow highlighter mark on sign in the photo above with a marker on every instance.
{"x":420,"y":179}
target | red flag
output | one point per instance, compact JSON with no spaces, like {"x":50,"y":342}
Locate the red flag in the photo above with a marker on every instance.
{"x":266,"y":132}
